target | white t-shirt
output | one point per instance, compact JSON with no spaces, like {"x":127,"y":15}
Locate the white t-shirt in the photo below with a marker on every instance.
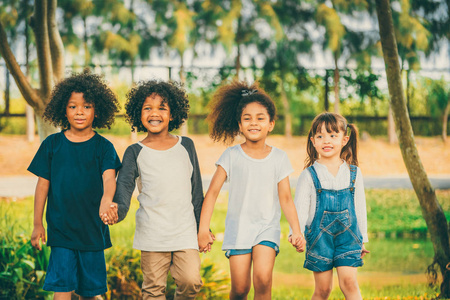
{"x":305,"y":194}
{"x":253,"y":207}
{"x":170,"y":195}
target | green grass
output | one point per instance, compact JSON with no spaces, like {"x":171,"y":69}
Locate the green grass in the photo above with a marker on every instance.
{"x":403,"y":257}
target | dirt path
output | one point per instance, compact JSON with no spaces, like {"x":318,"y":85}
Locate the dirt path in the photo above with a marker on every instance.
{"x":376,"y":156}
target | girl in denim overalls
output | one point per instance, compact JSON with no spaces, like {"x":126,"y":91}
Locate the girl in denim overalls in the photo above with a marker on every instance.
{"x":258,"y":178}
{"x":331,"y":206}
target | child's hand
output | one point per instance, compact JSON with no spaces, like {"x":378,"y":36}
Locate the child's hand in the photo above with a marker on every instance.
{"x":38,"y":234}
{"x":108,"y":213}
{"x":205,"y":240}
{"x":364,"y":251}
{"x":298,"y":241}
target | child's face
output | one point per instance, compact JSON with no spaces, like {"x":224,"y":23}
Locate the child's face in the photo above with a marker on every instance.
{"x":79,"y":113}
{"x":155,"y":115}
{"x":255,"y":122}
{"x":329,"y":144}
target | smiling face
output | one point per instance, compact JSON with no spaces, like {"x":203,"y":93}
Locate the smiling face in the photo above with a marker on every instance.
{"x":79,"y":113}
{"x":155,"y":115}
{"x":255,"y":123}
{"x":329,"y":144}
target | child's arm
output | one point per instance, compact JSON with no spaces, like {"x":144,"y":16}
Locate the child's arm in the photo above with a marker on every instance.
{"x":360,"y":206}
{"x":108,"y":209}
{"x":288,"y":207}
{"x":40,"y":197}
{"x":126,"y":180}
{"x":205,"y":239}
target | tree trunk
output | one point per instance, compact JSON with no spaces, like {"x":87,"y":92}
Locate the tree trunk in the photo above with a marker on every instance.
{"x":392,"y":137}
{"x":30,"y":123}
{"x":431,"y":209}
{"x":55,"y":42}
{"x":44,"y":55}
{"x":238,"y":61}
{"x":87,"y":54}
{"x":286,"y":110}
{"x":336,"y":84}
{"x":44,"y":128}
{"x":326,"y":103}
{"x":7,"y":92}
{"x":445,"y":121}
{"x":184,"y":127}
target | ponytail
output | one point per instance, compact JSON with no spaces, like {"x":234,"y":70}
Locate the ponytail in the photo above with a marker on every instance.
{"x":349,"y":152}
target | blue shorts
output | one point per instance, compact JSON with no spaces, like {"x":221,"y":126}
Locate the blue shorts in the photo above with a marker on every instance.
{"x":72,"y":270}
{"x":272,"y":245}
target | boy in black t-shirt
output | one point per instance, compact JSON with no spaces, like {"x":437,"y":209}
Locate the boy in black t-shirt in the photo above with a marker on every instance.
{"x":76,"y":169}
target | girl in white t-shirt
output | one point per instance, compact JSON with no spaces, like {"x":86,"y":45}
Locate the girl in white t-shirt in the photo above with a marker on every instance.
{"x":258,"y":177}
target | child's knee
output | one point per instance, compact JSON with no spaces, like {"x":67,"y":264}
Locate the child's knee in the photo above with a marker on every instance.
{"x":262,"y":283}
{"x":189,"y":286}
{"x":239,"y":291}
{"x":348,"y":285}
{"x":322,"y":292}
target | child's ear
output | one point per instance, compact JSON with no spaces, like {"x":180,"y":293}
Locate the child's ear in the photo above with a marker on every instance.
{"x":345,"y":140}
{"x":271,"y":125}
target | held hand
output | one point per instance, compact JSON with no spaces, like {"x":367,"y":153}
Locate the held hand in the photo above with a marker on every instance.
{"x":108,"y":214}
{"x":38,"y":234}
{"x":205,"y":240}
{"x":298,"y":241}
{"x":364,"y":251}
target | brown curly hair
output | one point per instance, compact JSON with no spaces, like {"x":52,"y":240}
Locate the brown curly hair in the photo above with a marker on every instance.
{"x":227,"y":105}
{"x":95,"y":91}
{"x":171,"y":92}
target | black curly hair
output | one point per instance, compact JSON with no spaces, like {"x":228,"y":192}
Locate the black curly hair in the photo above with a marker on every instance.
{"x":171,"y":92}
{"x":95,"y":91}
{"x":227,"y":105}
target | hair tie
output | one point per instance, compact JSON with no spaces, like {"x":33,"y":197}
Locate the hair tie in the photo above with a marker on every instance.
{"x":248,"y":92}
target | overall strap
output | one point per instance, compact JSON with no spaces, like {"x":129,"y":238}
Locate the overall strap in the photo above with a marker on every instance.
{"x":353,"y":170}
{"x":315,"y":179}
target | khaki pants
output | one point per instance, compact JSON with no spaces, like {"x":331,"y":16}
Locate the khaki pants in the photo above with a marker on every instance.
{"x":184,"y":265}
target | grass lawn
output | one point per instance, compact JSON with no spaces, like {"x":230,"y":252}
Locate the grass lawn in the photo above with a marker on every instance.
{"x":395,"y":268}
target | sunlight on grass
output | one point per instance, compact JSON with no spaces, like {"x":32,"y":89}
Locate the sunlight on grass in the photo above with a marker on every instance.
{"x":395,"y":268}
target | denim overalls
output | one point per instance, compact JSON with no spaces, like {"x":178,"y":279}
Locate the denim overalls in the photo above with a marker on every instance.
{"x":333,"y":239}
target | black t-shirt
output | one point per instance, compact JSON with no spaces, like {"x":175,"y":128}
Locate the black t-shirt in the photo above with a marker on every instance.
{"x":76,"y":188}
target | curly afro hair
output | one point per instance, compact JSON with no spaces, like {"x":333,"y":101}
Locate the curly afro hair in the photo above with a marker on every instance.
{"x":171,"y":92}
{"x":95,"y":91}
{"x":227,"y":105}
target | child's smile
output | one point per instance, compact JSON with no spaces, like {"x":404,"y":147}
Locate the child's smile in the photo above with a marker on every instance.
{"x":329,"y":144}
{"x":255,"y":122}
{"x":155,"y":115}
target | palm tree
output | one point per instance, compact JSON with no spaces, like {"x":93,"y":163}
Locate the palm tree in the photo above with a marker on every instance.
{"x":432,"y":212}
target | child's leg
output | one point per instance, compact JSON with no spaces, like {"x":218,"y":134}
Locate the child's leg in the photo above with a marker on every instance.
{"x":185,"y":270}
{"x":62,"y":296}
{"x":348,"y":282}
{"x":263,"y":262}
{"x":323,"y":284}
{"x":155,"y":266}
{"x":240,"y":266}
